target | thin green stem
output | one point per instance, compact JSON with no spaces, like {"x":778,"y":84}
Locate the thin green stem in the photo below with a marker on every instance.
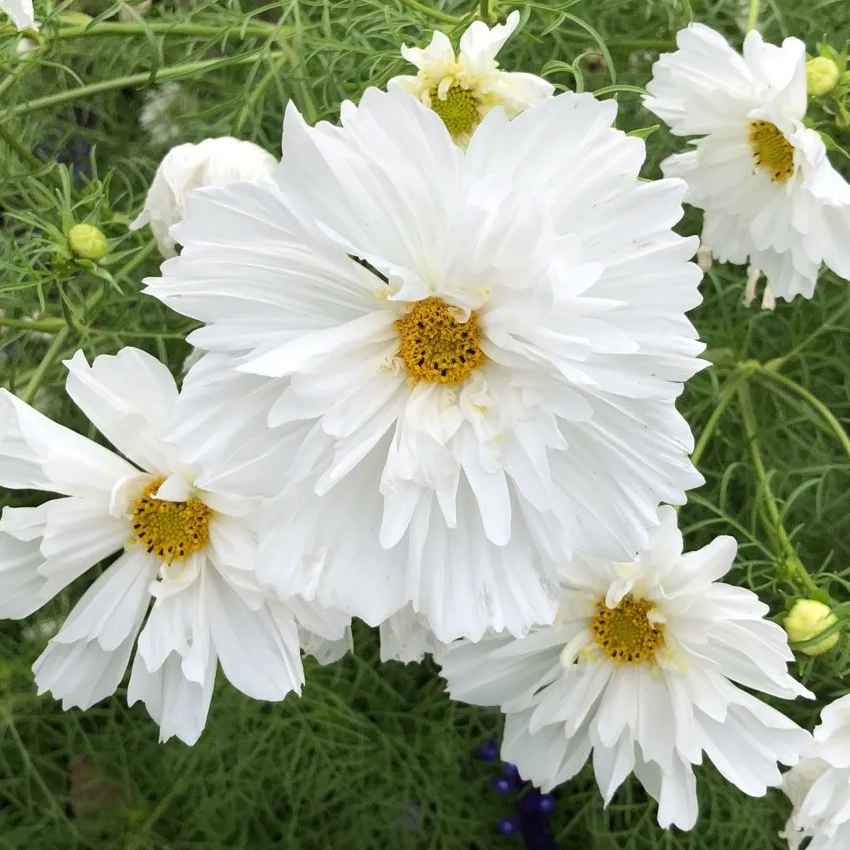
{"x":813,"y":401}
{"x":727,"y":393}
{"x":436,"y":14}
{"x":23,"y":152}
{"x":753,"y":17}
{"x":166,"y":73}
{"x":46,"y":326}
{"x":63,"y":333}
{"x":129,"y":30}
{"x":46,"y":362}
{"x":486,"y":13}
{"x":790,"y":562}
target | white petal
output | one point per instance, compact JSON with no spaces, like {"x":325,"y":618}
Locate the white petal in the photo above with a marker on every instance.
{"x":130,"y":398}
{"x":38,"y":454}
{"x":179,"y":705}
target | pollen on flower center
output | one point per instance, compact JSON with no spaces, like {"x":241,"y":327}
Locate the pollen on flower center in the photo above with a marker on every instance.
{"x":458,"y":109}
{"x":625,"y":633}
{"x":436,"y":346}
{"x":772,"y":152}
{"x":170,"y":530}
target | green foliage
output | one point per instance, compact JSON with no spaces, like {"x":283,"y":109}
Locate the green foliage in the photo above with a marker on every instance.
{"x":373,"y":756}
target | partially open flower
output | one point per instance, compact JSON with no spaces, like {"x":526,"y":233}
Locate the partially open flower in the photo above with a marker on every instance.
{"x":819,"y":786}
{"x":462,"y":88}
{"x":213,"y":162}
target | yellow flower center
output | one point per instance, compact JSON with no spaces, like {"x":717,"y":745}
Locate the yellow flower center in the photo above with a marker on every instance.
{"x":772,"y":152}
{"x":625,"y":633}
{"x":458,"y":109}
{"x":436,"y":346}
{"x":170,"y":530}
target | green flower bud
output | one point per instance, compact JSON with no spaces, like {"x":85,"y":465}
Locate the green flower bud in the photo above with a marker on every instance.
{"x":807,"y":619}
{"x":822,"y":75}
{"x":87,"y":242}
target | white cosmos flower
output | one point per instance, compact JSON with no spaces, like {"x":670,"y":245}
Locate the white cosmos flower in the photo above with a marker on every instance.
{"x":20,"y":11}
{"x":453,"y":367}
{"x":763,"y":178}
{"x":639,"y":670}
{"x":819,"y":786}
{"x":463,"y":88}
{"x":213,"y":162}
{"x":189,"y":551}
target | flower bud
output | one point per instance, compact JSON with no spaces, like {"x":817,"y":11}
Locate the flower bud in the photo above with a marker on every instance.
{"x":87,"y":242}
{"x":807,"y":619}
{"x":822,"y":75}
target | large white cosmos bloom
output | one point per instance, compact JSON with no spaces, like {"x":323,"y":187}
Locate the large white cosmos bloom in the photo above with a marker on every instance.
{"x":639,"y":669}
{"x":819,"y":786}
{"x":463,"y":88}
{"x":190,"y":552}
{"x":770,"y":194}
{"x":454,"y":367}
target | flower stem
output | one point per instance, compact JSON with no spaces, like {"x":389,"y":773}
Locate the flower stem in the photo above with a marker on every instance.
{"x":166,"y":73}
{"x":753,"y":17}
{"x":35,"y":381}
{"x":834,"y":425}
{"x":254,"y":30}
{"x":46,"y":326}
{"x":792,"y":566}
{"x":727,"y":393}
{"x":24,"y":154}
{"x":486,"y":14}
{"x":62,"y":333}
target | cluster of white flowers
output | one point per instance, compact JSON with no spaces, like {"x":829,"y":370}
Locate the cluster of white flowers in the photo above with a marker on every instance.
{"x":436,"y":389}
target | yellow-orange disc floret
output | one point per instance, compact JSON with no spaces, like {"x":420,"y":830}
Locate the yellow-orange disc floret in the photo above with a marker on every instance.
{"x":170,"y":530}
{"x":772,"y":152}
{"x":625,"y":633}
{"x":436,"y":346}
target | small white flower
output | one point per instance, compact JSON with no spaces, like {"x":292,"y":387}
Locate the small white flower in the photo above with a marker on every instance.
{"x":819,"y":787}
{"x":20,"y":11}
{"x":452,"y":367}
{"x":213,"y":162}
{"x":189,"y":551}
{"x":639,"y":670}
{"x":463,"y":88}
{"x":770,"y":195}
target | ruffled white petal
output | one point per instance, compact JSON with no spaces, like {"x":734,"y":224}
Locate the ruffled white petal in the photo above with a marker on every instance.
{"x":38,"y":454}
{"x":130,"y":398}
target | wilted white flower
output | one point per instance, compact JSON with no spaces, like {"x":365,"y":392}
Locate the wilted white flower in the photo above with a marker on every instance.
{"x":770,"y":195}
{"x":20,"y":11}
{"x":213,"y":162}
{"x":452,"y":367}
{"x":639,"y":670}
{"x":191,"y":552}
{"x":819,"y":786}
{"x":463,"y":88}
